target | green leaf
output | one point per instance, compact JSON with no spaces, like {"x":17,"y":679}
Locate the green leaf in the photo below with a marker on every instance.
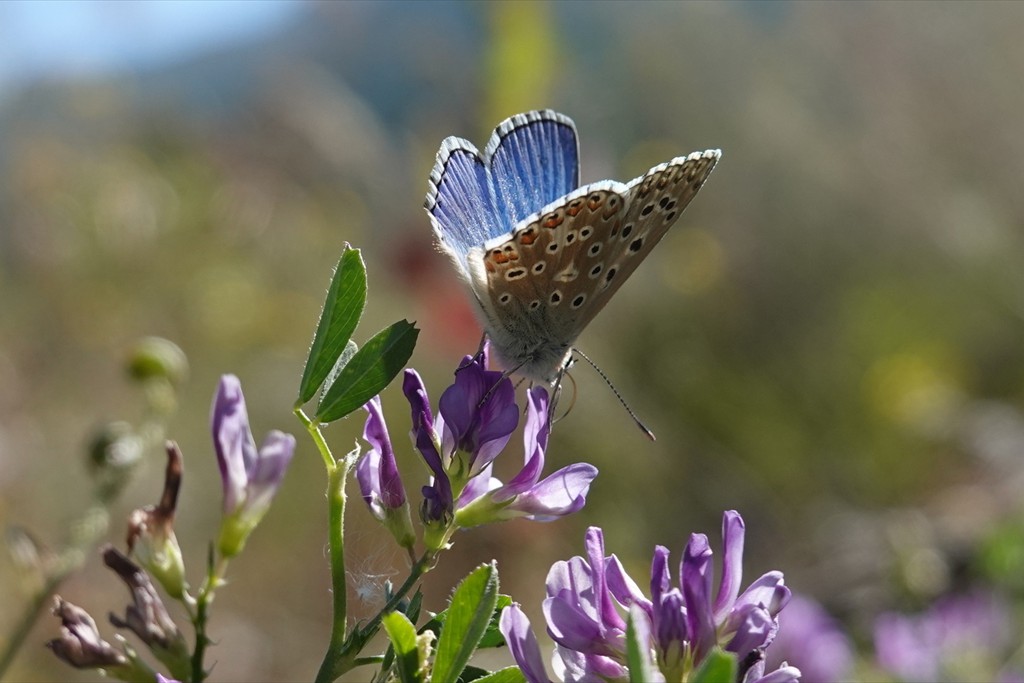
{"x":492,"y":636}
{"x":343,"y":358}
{"x":346,"y":298}
{"x":370,"y":370}
{"x":469,"y":612}
{"x":638,"y":648}
{"x":415,"y":605}
{"x":403,"y":639}
{"x":412,"y":611}
{"x":510,"y":674}
{"x":717,"y":667}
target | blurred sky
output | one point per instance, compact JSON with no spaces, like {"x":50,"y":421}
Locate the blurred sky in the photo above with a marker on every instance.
{"x":75,"y":38}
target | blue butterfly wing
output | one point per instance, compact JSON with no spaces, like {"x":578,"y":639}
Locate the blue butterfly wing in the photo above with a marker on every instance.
{"x":531,"y":160}
{"x":460,"y":201}
{"x":535,"y":162}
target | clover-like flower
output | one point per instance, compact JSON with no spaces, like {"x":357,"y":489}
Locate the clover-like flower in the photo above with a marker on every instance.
{"x":589,"y":600}
{"x":476,"y":417}
{"x":250,"y":477}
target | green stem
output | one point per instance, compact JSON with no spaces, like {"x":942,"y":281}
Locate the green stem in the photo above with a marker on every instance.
{"x":337,"y":474}
{"x":215,"y":574}
{"x":339,"y":578}
{"x":318,"y":438}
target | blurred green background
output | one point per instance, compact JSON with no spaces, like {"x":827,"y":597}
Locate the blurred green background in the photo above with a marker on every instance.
{"x":830,"y":341}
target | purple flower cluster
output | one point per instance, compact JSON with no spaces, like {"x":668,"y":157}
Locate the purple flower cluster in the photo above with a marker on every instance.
{"x":812,"y":640}
{"x":589,"y":598}
{"x":961,"y":637}
{"x":474,"y":422}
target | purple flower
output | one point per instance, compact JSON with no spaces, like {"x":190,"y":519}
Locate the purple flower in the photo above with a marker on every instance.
{"x":589,"y":598}
{"x":485,"y":499}
{"x":812,"y":640}
{"x":250,"y":477}
{"x":959,"y":636}
{"x":379,"y":481}
{"x":475,"y":420}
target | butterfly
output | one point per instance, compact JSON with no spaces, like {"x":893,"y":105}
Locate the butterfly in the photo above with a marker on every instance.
{"x":541,"y":255}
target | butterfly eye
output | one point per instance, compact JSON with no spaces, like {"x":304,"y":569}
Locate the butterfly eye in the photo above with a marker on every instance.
{"x":636,"y":244}
{"x":626,"y":231}
{"x":538,"y":267}
{"x":596,"y":270}
{"x":578,"y":301}
{"x":586,"y":232}
{"x":556,"y":298}
{"x":515,"y":274}
{"x":595,"y":249}
{"x":504,"y":298}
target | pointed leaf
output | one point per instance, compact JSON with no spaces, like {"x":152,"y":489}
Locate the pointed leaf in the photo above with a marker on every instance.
{"x":511,"y":674}
{"x":346,"y":355}
{"x":719,"y":665}
{"x":492,"y":636}
{"x":469,"y":613}
{"x":403,"y":639}
{"x":370,"y":370}
{"x":346,"y":298}
{"x":638,"y":649}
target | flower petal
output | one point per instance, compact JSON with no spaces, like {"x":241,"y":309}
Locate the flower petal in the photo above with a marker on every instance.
{"x":569,"y":625}
{"x":753,"y":627}
{"x":769,"y":591}
{"x":622,"y":586}
{"x":732,"y":562}
{"x":473,"y":421}
{"x":560,"y":494}
{"x":522,"y":643}
{"x":375,"y":432}
{"x":232,"y":440}
{"x":696,"y":584}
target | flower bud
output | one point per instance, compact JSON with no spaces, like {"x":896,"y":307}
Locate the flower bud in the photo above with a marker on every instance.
{"x":80,"y":644}
{"x":151,"y":538}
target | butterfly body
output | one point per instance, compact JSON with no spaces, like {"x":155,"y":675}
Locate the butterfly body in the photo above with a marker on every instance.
{"x":541,"y":255}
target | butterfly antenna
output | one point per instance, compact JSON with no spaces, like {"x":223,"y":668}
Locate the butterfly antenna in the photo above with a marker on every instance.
{"x":641,"y":425}
{"x":558,"y":394}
